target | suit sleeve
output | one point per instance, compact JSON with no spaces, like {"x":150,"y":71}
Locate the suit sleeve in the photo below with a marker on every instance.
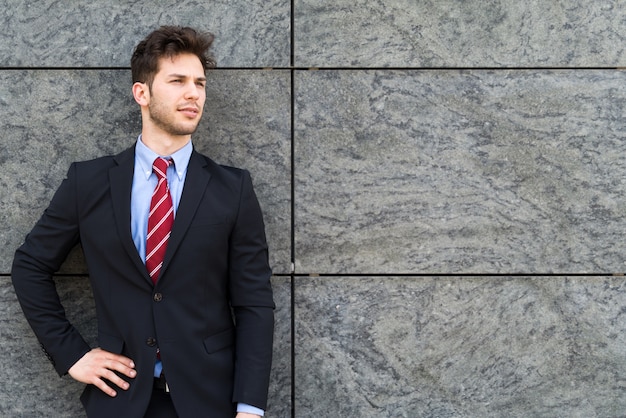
{"x":40,"y":256}
{"x":251,"y":300}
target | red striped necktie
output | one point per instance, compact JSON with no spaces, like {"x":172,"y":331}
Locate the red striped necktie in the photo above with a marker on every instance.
{"x":160,"y":219}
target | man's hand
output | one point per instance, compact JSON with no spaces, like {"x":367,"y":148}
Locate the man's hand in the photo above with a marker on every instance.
{"x":98,"y":364}
{"x":246,"y":415}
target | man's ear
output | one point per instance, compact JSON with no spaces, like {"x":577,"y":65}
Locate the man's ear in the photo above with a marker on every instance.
{"x":141,"y":93}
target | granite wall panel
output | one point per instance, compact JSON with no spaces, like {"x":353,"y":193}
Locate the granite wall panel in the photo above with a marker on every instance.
{"x":52,"y":118}
{"x":453,"y":33}
{"x":460,"y":171}
{"x":75,"y":33}
{"x":466,"y":223}
{"x":33,"y":388}
{"x":460,"y":346}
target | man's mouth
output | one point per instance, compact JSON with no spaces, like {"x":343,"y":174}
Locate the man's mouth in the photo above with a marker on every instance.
{"x":189,"y":111}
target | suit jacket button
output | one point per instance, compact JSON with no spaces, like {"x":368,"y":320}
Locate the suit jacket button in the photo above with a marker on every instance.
{"x":158,"y":297}
{"x":151,"y":342}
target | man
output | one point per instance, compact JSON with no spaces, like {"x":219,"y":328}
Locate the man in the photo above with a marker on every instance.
{"x":177,"y":258}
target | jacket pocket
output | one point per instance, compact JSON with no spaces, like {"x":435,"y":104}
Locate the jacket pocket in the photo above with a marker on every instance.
{"x":219,"y":341}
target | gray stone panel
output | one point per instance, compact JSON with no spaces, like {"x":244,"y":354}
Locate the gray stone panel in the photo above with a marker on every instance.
{"x":52,"y":118}
{"x":51,"y":33}
{"x":33,"y":388}
{"x":452,"y":33}
{"x":247,"y":124}
{"x":460,"y":347}
{"x":460,"y":171}
{"x":279,"y":403}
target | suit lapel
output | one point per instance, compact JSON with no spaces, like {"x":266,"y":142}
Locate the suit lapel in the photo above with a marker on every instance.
{"x":121,"y":180}
{"x":196,"y":182}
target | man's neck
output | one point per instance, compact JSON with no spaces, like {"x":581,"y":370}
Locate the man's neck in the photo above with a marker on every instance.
{"x":164,"y":144}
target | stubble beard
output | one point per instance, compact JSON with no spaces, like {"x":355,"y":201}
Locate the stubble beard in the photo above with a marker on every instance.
{"x":164,"y":120}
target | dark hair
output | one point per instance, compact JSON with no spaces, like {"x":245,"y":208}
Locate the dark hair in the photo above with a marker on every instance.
{"x":169,"y":41}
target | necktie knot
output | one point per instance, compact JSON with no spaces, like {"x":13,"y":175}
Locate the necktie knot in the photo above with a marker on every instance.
{"x":159,"y":166}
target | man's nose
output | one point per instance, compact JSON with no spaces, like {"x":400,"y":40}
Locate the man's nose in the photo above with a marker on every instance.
{"x":192,"y":91}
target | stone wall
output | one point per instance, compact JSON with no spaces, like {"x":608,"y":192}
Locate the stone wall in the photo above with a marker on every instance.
{"x":443,"y":184}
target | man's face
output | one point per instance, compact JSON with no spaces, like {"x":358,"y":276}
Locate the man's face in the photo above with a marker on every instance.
{"x":177,"y":95}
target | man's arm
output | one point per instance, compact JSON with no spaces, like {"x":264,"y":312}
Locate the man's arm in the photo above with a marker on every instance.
{"x":35,"y":262}
{"x":252,"y":301}
{"x":45,"y":248}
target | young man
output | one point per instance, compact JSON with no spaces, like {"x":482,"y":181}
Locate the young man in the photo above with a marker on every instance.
{"x":177,"y":258}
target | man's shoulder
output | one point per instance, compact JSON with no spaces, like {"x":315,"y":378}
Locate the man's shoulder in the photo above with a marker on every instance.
{"x":221,"y":169}
{"x":106,"y":161}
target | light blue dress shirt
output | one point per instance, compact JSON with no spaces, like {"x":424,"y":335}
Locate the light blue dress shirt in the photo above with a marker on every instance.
{"x":144,"y":182}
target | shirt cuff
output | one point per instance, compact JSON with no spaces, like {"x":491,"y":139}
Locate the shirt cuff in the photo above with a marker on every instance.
{"x":249,"y":409}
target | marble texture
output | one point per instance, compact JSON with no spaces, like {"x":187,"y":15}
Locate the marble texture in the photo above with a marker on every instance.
{"x":249,"y":33}
{"x":452,"y":33}
{"x":460,"y":171}
{"x":32,"y":387}
{"x":52,"y":118}
{"x":460,"y":347}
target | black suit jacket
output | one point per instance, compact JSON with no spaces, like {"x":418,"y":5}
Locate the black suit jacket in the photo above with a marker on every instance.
{"x":210,"y":313}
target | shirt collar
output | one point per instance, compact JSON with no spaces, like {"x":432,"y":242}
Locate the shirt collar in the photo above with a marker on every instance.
{"x":144,"y":157}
